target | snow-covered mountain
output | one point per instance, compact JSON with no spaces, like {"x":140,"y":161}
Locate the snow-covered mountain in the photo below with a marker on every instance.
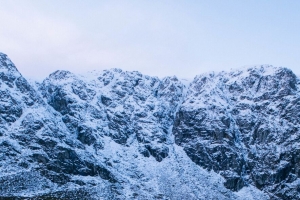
{"x":123,"y":135}
{"x":245,"y":125}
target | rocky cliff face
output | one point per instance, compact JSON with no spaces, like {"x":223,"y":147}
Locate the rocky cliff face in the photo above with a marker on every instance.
{"x":124,"y":135}
{"x":125,"y":106}
{"x":245,"y":125}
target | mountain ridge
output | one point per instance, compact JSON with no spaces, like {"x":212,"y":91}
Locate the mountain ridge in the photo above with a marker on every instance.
{"x":124,"y":135}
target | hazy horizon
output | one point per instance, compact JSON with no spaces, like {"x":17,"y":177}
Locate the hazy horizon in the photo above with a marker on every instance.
{"x":157,"y":38}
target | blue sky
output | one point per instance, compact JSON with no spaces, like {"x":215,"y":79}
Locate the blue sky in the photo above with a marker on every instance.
{"x":160,"y":38}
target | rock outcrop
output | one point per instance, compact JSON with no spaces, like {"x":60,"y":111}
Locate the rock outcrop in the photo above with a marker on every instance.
{"x":245,"y":125}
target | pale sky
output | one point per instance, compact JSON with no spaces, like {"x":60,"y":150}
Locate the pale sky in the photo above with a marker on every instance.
{"x":156,"y":37}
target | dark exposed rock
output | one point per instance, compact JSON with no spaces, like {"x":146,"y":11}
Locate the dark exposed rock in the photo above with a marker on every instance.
{"x":158,"y":153}
{"x":10,"y":109}
{"x":85,"y":135}
{"x":60,"y":102}
{"x":144,"y":151}
{"x":105,"y":100}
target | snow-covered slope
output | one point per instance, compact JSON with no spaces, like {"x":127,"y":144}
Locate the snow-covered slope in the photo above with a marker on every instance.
{"x":111,"y":135}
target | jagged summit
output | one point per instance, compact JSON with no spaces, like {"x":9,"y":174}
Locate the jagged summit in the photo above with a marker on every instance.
{"x":60,"y":75}
{"x":7,"y":68}
{"x":123,"y":135}
{"x":251,"y":81}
